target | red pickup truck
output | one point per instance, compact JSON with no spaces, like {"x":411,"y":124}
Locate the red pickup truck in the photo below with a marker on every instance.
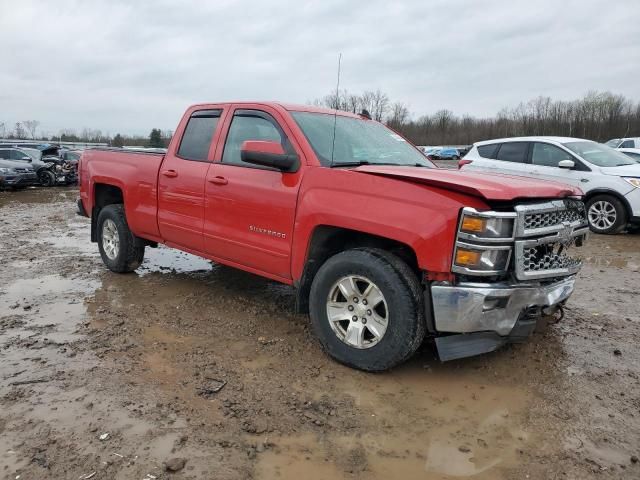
{"x":383,"y":248}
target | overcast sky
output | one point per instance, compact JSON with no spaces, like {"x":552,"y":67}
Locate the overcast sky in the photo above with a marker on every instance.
{"x":132,"y":65}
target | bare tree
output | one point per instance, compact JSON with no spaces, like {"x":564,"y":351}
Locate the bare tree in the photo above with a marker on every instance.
{"x":399,"y":116}
{"x":19,"y":131}
{"x":31,"y":126}
{"x":380,"y":105}
{"x":3,"y":130}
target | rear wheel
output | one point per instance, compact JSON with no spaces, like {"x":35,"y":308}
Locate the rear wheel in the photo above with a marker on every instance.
{"x":606,"y":214}
{"x":366,"y":309}
{"x":121,"y":250}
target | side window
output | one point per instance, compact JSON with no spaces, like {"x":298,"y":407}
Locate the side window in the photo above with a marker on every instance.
{"x":513,"y":152}
{"x":548,"y":155}
{"x":5,"y":154}
{"x":247,"y":126}
{"x":197,"y":137}
{"x":626,"y":144}
{"x":488,"y":151}
{"x":17,"y":155}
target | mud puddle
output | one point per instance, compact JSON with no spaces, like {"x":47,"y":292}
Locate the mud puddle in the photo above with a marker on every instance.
{"x":190,"y":360}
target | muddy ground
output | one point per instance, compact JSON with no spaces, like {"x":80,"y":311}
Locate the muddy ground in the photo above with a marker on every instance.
{"x":110,"y":376}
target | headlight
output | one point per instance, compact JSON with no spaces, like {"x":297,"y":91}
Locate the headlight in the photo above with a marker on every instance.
{"x":488,"y":226}
{"x":479,"y":259}
{"x":484,"y":242}
{"x":5,"y":170}
{"x":633,"y":181}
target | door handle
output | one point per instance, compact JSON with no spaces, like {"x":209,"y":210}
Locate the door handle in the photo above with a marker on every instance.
{"x":218,"y":180}
{"x":170,"y":173}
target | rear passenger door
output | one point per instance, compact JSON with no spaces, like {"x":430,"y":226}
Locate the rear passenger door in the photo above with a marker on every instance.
{"x":182,"y":178}
{"x":513,"y":159}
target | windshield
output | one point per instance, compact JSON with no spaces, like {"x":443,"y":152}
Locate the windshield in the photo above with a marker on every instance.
{"x":357,"y":141}
{"x":599,"y":154}
{"x":613,"y":143}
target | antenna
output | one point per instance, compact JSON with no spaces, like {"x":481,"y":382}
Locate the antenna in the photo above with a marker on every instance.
{"x":335,"y":112}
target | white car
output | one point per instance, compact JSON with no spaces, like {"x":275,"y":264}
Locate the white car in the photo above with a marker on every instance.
{"x":630,"y":142}
{"x":632,"y":153}
{"x":609,"y":179}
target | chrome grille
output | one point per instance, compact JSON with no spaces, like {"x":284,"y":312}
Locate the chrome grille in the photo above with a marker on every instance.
{"x":546,"y":219}
{"x":548,"y":239}
{"x":551,"y":256}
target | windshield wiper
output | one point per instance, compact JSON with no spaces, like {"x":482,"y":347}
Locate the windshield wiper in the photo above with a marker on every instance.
{"x":367,"y":162}
{"x":351,"y":164}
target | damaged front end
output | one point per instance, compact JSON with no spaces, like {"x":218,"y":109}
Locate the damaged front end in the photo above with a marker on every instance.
{"x":511,"y":269}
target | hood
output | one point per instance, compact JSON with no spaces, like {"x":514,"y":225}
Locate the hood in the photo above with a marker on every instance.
{"x":489,"y":186}
{"x":632,"y":170}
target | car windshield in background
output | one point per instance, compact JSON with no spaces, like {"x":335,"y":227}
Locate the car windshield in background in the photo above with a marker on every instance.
{"x":613,"y":143}
{"x":599,"y":154}
{"x":357,"y":141}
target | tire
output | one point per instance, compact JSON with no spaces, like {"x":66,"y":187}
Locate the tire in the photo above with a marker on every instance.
{"x":606,"y":214}
{"x":47,"y":178}
{"x":401,"y":306}
{"x":121,"y":250}
{"x":455,"y":157}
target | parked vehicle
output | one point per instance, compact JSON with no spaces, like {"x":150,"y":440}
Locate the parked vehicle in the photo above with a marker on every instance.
{"x":382,"y":247}
{"x":448,"y":153}
{"x":609,"y":179}
{"x":632,"y":153}
{"x":14,"y":175}
{"x":49,"y":172}
{"x":631,"y":142}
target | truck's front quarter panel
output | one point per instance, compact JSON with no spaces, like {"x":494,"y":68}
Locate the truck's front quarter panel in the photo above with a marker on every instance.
{"x":421,"y":217}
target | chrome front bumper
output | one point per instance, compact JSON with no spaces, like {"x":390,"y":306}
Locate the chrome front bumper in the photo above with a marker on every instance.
{"x":483,"y":307}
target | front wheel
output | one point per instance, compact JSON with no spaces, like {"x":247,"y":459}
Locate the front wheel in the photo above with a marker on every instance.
{"x":47,"y":178}
{"x":120,"y":249}
{"x":366,"y":309}
{"x":606,"y":214}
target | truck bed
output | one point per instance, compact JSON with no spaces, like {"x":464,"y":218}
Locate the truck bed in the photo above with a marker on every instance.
{"x":136,"y":175}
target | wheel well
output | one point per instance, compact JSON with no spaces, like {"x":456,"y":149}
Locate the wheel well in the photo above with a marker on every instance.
{"x":623,"y":200}
{"x":104,"y":195}
{"x":326,"y":241}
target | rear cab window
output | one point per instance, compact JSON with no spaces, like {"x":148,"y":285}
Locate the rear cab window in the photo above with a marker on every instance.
{"x":198,"y":135}
{"x":513,"y":152}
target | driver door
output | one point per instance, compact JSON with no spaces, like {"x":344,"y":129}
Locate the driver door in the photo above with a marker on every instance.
{"x":544,"y":164}
{"x":250,"y":210}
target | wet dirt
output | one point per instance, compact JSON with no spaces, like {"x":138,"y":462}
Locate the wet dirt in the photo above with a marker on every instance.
{"x":111,"y":376}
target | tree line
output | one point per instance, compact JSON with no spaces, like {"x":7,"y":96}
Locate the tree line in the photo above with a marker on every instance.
{"x":597,"y":116}
{"x":27,"y":130}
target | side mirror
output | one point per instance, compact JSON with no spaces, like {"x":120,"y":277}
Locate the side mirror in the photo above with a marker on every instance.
{"x":28,"y":159}
{"x":568,"y":164}
{"x":268,"y":154}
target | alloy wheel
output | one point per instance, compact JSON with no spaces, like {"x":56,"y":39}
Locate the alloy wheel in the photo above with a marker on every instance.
{"x":110,"y":239}
{"x":357,"y":311}
{"x":602,"y":215}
